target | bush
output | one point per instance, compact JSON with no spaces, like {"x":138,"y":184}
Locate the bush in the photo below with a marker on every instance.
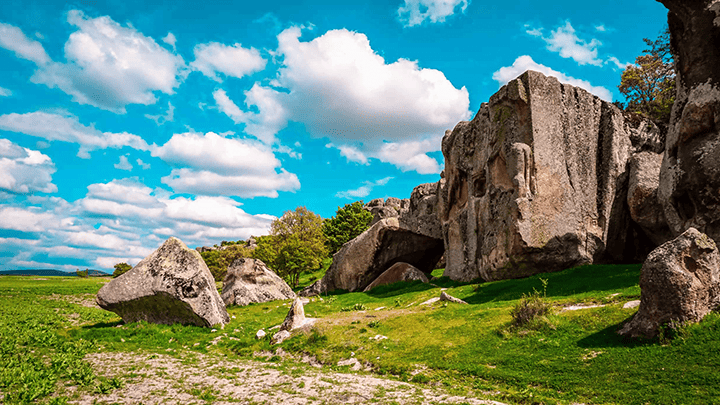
{"x":120,"y":269}
{"x":531,"y":307}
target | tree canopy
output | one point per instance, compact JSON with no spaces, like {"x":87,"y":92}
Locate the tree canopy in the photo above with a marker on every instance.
{"x":348,"y":222}
{"x":649,"y":84}
{"x":219,"y":260}
{"x":120,"y":269}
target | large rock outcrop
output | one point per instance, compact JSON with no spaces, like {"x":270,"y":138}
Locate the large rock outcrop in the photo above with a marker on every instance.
{"x":251,"y":281}
{"x":679,"y":281}
{"x":383,"y":209}
{"x":398,"y":272}
{"x":537,"y":182}
{"x":363,"y":259}
{"x":642,"y":197}
{"x":690,"y":175}
{"x":421,"y":213}
{"x":171,"y":285}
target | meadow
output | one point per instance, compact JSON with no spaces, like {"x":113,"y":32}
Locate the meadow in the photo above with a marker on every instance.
{"x":53,"y":341}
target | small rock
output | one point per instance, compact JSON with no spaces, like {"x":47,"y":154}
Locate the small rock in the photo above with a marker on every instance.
{"x":632,"y":304}
{"x":260,"y":334}
{"x":280,"y":337}
{"x":449,"y":298}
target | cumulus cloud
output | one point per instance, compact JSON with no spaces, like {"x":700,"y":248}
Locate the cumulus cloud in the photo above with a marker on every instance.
{"x":340,"y":88}
{"x":415,"y":12}
{"x":525,"y":62}
{"x":142,"y":164}
{"x":231,"y":60}
{"x":25,"y":171}
{"x":411,"y":155}
{"x":364,"y":190}
{"x":170,"y":39}
{"x":56,"y":127}
{"x":110,"y":66}
{"x":565,"y":42}
{"x":615,"y":61}
{"x":169,"y":115}
{"x":26,"y":220}
{"x":238,"y":167}
{"x":123,"y":164}
{"x":13,"y":39}
{"x":268,"y":121}
{"x":5,"y":92}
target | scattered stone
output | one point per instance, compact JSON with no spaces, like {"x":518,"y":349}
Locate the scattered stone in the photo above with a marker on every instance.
{"x":631,"y":304}
{"x":295,"y":319}
{"x":536,"y":182}
{"x":378,"y":337}
{"x":352,"y":362}
{"x":431,"y":301}
{"x":260,"y":334}
{"x":280,"y":337}
{"x":679,"y":282}
{"x":171,"y":285}
{"x":398,"y":272}
{"x":361,"y":260}
{"x":449,"y":298}
{"x":579,"y":307}
{"x":251,"y":281}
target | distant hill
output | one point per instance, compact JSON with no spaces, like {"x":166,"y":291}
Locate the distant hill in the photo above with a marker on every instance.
{"x":49,"y":273}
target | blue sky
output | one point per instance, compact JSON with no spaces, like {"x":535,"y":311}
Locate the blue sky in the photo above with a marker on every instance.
{"x":125,"y":122}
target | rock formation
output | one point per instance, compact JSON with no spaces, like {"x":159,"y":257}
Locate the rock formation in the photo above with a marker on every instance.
{"x":421,"y":213}
{"x":295,"y":319}
{"x":398,"y":272}
{"x":690,"y":175}
{"x":171,"y":285}
{"x":382,"y":209}
{"x":645,"y":208}
{"x":363,"y":259}
{"x":251,"y":281}
{"x":680,"y":281}
{"x":537,"y":182}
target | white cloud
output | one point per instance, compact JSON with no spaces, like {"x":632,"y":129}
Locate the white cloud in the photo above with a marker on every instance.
{"x":600,"y":28}
{"x":364,"y":190}
{"x":525,"y":62}
{"x":25,"y":171}
{"x":615,"y":61}
{"x":232,"y":61}
{"x":110,"y":66}
{"x":26,"y":220}
{"x":170,"y":39}
{"x":13,"y":39}
{"x":5,"y":92}
{"x":123,"y":164}
{"x":142,"y":164}
{"x":55,"y":127}
{"x":415,"y":12}
{"x":126,"y":191}
{"x":351,"y":153}
{"x":565,"y":41}
{"x":218,"y":165}
{"x":411,"y":155}
{"x":340,"y":88}
{"x":169,"y":115}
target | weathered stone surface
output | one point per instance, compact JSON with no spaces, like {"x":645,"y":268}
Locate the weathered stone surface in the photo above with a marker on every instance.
{"x":537,"y":182}
{"x":295,"y":319}
{"x":642,"y":199}
{"x":679,"y":281}
{"x":449,"y":298}
{"x":382,"y":209}
{"x":251,"y":281}
{"x":690,"y":174}
{"x":171,"y":285}
{"x":421,"y":212}
{"x":364,"y":258}
{"x":398,"y":272}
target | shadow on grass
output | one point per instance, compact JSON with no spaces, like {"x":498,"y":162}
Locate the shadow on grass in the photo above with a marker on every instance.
{"x":609,"y":338}
{"x":100,"y":325}
{"x":578,"y":280}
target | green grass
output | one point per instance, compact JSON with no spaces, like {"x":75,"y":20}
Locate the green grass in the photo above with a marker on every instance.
{"x":476,"y":349}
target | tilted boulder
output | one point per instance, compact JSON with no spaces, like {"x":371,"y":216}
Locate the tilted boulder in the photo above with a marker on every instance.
{"x":363,"y":259}
{"x":537,"y":182}
{"x":171,"y":285}
{"x":398,"y":272}
{"x":690,"y":174}
{"x":679,"y":281}
{"x":251,"y":281}
{"x":645,"y":208}
{"x":294,"y":319}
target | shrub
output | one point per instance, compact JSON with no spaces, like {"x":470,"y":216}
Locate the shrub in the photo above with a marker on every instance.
{"x":120,"y":269}
{"x":531,"y":307}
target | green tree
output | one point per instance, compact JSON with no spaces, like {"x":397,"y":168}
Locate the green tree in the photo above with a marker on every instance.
{"x":296,"y":244}
{"x":219,"y":260}
{"x":649,"y":84}
{"x":348,"y":222}
{"x":82,"y":273}
{"x":120,"y":269}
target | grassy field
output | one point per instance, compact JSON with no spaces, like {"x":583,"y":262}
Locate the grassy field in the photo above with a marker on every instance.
{"x":48,"y":328}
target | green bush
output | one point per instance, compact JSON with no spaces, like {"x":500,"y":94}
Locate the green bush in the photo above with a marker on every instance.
{"x":120,"y":269}
{"x":531,"y":307}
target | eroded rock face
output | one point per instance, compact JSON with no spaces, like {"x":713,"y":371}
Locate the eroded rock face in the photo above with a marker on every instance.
{"x":642,"y":197}
{"x":421,"y":213}
{"x":360,"y":261}
{"x":679,"y":281}
{"x":398,"y":272}
{"x":690,"y":175}
{"x":537,"y":182}
{"x":251,"y":281}
{"x":382,"y":209}
{"x":171,"y":285}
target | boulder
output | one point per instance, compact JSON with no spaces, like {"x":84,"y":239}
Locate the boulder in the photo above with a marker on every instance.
{"x":679,"y":282}
{"x":642,"y":200}
{"x":295,"y":319}
{"x":251,"y":281}
{"x":690,"y":175}
{"x":360,"y":261}
{"x":420,"y":213}
{"x":382,"y":209}
{"x":537,"y":182}
{"x":171,"y":285}
{"x":398,"y":272}
{"x":449,"y":298}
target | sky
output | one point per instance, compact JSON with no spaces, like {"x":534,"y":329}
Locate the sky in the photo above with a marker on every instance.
{"x":125,"y":122}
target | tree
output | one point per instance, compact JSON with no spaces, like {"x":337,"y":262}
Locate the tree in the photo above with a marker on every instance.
{"x":82,"y":273}
{"x":649,"y":84}
{"x":219,"y":260}
{"x":296,"y":244}
{"x":120,"y":269}
{"x":348,"y":222}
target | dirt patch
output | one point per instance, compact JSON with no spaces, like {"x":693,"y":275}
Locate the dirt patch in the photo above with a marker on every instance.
{"x":155,"y":379}
{"x":86,"y":300}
